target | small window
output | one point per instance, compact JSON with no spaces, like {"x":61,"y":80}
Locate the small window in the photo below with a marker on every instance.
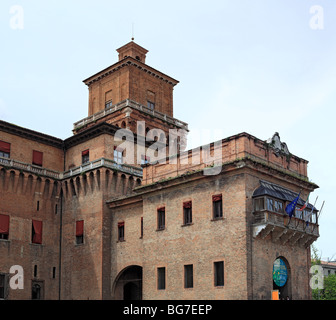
{"x":270,"y":204}
{"x":37,"y":290}
{"x":4,"y":149}
{"x":118,"y":155}
{"x":187,"y":213}
{"x":219,"y":273}
{"x":85,"y":156}
{"x":259,"y":204}
{"x":37,"y":158}
{"x":108,"y":104}
{"x":278,"y":206}
{"x":144,"y":159}
{"x":188,"y":276}
{"x":3,"y":286}
{"x":151,"y":105}
{"x":217,"y":206}
{"x":80,"y":232}
{"x":36,"y":232}
{"x":54,"y":272}
{"x":141,"y":228}
{"x":161,"y":218}
{"x":161,"y":278}
{"x":4,"y":226}
{"x":121,"y":231}
{"x":35,"y":271}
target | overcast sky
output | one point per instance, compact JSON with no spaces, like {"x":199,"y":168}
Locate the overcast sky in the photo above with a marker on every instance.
{"x":259,"y":66}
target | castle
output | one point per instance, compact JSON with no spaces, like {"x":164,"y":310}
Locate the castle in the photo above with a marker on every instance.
{"x":120,"y":210}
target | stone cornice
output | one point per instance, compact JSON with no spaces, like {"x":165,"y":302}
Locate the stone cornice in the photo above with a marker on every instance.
{"x":129,"y":61}
{"x":31,"y":134}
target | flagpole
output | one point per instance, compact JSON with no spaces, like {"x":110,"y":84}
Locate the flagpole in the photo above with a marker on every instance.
{"x":317,"y":216}
{"x":311,"y":212}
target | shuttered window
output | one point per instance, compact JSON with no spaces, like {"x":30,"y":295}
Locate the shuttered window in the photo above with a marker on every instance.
{"x":37,"y":158}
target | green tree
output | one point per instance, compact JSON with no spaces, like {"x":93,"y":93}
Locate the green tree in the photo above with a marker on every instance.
{"x":329,"y":282}
{"x":329,"y":292}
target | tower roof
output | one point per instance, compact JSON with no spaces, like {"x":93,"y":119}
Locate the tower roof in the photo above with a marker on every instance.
{"x":133,"y":50}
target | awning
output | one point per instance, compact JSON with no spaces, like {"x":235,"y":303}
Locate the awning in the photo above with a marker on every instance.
{"x":270,"y":189}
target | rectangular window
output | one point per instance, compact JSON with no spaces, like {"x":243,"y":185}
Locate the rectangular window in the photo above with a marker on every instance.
{"x":108,"y":104}
{"x":85,"y":156}
{"x":278,"y":206}
{"x":4,"y":226}
{"x":3,"y":285}
{"x":118,"y":155}
{"x":217,"y":206}
{"x":36,"y":232}
{"x":161,"y":218}
{"x":144,"y":159}
{"x":37,"y":158}
{"x":270,"y":204}
{"x":188,"y":276}
{"x":187,"y":213}
{"x":121,"y":231}
{"x":54,"y":272}
{"x":274,"y":205}
{"x":219,"y":273}
{"x":259,"y":204}
{"x":141,"y":228}
{"x":4,"y":149}
{"x":151,"y":105}
{"x":161,"y":278}
{"x":108,"y":99}
{"x":80,"y":232}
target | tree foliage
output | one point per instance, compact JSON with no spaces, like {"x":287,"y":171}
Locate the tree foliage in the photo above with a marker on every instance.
{"x":329,"y":282}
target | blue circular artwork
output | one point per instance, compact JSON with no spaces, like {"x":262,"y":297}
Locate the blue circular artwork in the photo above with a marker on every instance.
{"x":280,"y":272}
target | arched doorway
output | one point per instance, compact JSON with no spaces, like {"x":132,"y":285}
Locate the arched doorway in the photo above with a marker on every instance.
{"x":128,"y":284}
{"x":281,"y":275}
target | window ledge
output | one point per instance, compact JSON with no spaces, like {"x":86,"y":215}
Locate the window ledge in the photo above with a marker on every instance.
{"x":79,"y":244}
{"x":187,"y":224}
{"x":217,"y":219}
{"x":161,"y":229}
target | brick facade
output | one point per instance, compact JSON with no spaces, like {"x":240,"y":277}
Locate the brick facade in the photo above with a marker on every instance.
{"x":121,"y":246}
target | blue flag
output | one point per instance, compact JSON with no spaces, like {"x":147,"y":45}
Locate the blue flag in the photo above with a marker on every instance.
{"x":290,"y":208}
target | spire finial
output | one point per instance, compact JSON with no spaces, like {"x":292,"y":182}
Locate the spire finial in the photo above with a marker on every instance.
{"x":132,"y":31}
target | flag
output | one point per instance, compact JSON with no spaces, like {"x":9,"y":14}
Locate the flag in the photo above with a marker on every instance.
{"x":290,"y":208}
{"x":305,"y":205}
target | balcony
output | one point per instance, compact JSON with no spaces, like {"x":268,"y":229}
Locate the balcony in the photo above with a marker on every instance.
{"x":99,"y":163}
{"x":282,"y":229}
{"x":134,"y":105}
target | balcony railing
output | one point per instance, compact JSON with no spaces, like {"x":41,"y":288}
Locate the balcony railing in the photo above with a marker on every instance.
{"x":282,"y":227}
{"x":134,"y":105}
{"x":102,"y":162}
{"x":11,"y":163}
